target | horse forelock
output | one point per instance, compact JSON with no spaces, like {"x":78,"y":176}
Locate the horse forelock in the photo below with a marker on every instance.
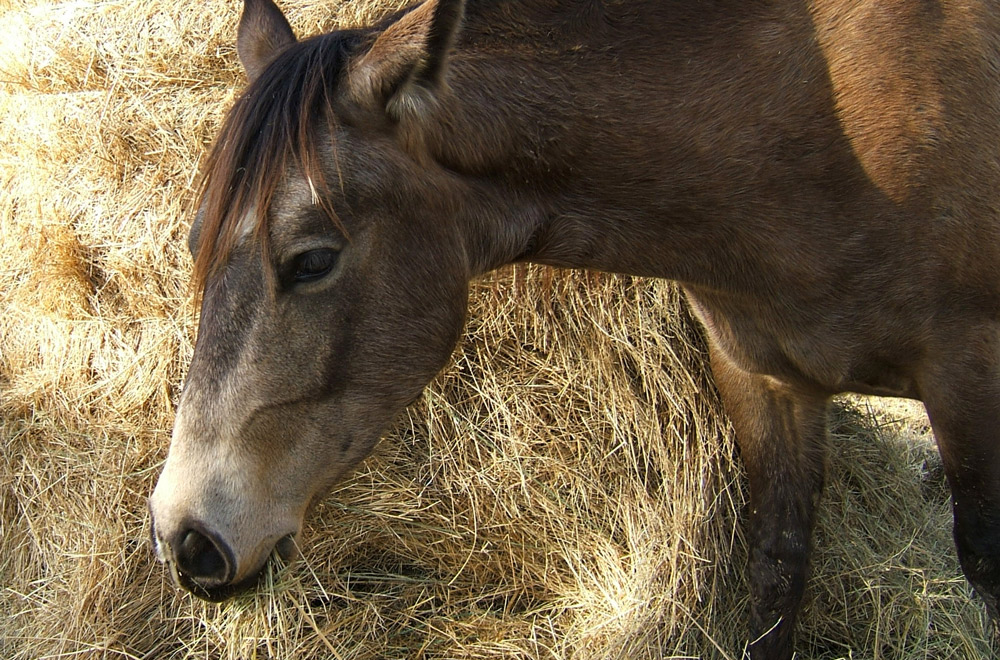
{"x":273,"y":127}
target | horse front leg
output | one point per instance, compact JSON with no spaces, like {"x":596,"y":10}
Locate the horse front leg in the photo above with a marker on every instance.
{"x":781,"y":433}
{"x":962,"y":396}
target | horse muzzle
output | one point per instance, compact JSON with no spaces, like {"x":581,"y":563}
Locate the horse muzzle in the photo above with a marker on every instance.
{"x":204,"y":563}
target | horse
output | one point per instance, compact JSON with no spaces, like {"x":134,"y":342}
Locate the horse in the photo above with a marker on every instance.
{"x":821,"y":178}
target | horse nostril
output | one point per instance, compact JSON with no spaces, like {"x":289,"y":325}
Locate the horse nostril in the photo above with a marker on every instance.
{"x":203,"y":558}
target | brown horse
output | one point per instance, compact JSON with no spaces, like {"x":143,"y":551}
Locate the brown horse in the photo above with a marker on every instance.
{"x":823,"y":178}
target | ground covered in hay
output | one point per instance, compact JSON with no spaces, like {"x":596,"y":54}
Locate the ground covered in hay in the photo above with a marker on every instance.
{"x":567,"y":488}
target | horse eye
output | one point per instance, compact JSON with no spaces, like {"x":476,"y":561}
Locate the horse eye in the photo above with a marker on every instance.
{"x":314,"y":264}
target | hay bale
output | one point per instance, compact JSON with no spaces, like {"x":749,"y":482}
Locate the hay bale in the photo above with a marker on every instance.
{"x":567,"y":488}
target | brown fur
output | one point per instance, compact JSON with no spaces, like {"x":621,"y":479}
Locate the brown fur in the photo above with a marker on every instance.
{"x":823,"y":179}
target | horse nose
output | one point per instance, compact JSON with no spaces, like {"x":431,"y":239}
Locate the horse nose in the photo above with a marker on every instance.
{"x":203,"y":557}
{"x":206,"y":561}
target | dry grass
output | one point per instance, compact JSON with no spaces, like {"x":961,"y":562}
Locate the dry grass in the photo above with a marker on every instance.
{"x":566,"y":489}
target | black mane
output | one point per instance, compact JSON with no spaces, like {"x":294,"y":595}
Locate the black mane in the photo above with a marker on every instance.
{"x":272,"y":125}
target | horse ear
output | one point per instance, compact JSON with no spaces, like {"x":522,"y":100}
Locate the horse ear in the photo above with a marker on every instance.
{"x":406,"y":64}
{"x":263,"y":33}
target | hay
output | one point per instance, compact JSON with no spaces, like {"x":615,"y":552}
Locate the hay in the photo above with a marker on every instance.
{"x":565,"y":489}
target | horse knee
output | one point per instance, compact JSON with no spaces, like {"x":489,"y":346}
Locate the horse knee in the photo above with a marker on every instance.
{"x":977,"y":540}
{"x":963,"y":403}
{"x":780,"y":546}
{"x":781,"y":433}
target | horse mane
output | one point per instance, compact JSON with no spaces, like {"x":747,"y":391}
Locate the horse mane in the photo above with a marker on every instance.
{"x":271,"y":127}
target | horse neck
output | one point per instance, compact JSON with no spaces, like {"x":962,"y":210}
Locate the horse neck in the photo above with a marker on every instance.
{"x":560,"y":174}
{"x":613,"y":152}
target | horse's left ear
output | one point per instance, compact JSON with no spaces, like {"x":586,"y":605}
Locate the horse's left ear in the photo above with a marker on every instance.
{"x":263,"y":33}
{"x":406,"y":64}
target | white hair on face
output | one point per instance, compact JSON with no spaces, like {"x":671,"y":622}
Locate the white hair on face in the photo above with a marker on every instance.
{"x":313,"y":193}
{"x":248,"y":224}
